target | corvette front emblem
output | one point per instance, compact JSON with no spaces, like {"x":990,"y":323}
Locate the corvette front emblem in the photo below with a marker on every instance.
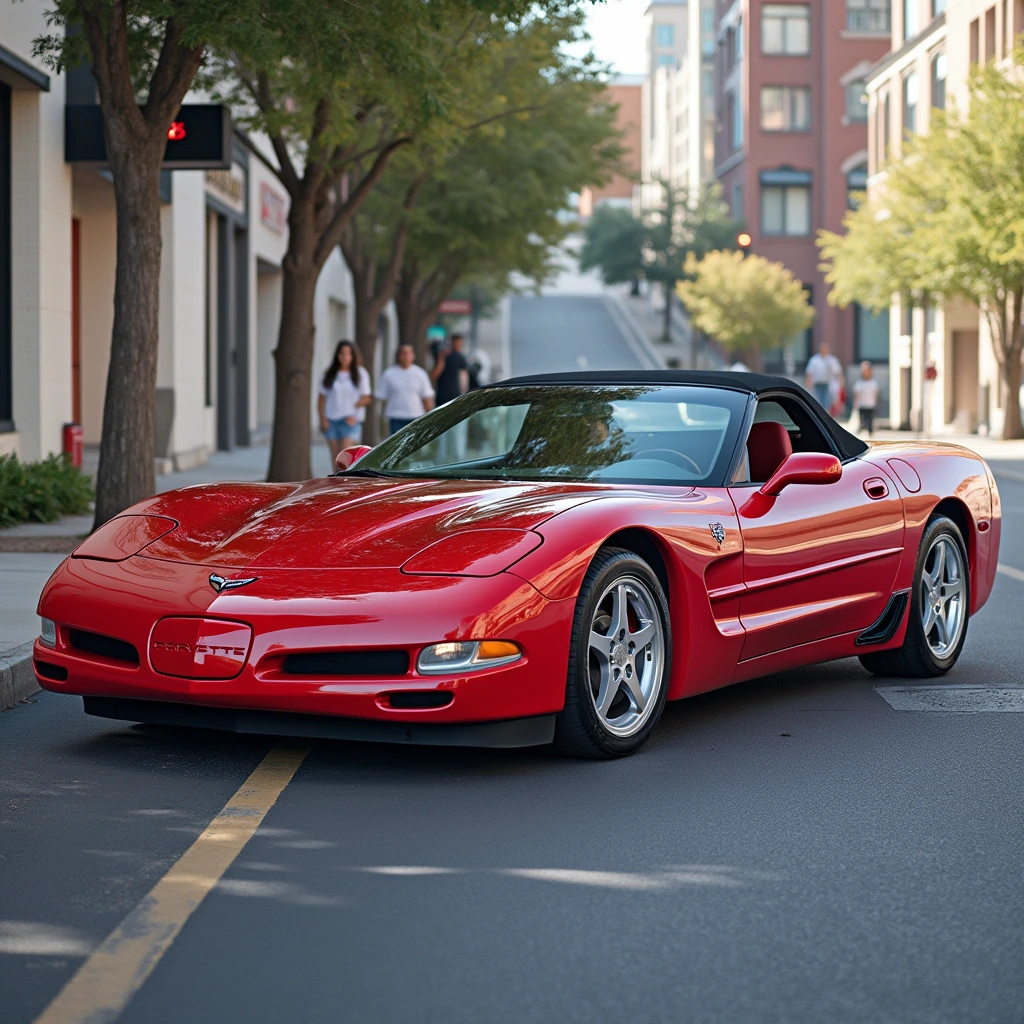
{"x":717,"y":531}
{"x":220,"y":583}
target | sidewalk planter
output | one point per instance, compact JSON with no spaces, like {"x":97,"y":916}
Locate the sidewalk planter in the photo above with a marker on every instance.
{"x":41,"y":492}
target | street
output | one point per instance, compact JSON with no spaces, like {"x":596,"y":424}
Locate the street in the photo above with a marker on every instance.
{"x":792,"y":849}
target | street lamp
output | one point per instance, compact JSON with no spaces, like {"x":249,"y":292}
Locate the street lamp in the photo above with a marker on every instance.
{"x":744,"y":241}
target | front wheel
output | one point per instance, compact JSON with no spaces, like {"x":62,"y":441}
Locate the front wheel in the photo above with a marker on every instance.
{"x":940,"y":605}
{"x":619,"y":659}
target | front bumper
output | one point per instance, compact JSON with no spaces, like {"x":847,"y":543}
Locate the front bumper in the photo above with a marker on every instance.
{"x":292,"y":611}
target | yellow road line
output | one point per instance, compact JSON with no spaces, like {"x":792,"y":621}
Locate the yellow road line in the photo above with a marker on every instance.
{"x":106,"y":982}
{"x":1008,"y":570}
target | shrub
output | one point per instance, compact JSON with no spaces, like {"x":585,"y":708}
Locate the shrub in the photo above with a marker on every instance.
{"x":41,"y":491}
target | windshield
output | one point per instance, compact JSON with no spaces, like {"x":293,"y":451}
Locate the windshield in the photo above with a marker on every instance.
{"x":617,"y":434}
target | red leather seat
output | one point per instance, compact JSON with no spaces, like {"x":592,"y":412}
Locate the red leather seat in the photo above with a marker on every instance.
{"x":768,"y":446}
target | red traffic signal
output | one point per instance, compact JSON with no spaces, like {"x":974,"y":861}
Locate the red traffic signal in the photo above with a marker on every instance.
{"x":743,"y":240}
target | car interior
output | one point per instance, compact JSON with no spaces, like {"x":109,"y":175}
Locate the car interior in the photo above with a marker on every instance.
{"x":781,"y":426}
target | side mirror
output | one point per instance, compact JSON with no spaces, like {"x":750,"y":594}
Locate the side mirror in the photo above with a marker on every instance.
{"x":799,"y":468}
{"x":804,"y":468}
{"x":347,"y":457}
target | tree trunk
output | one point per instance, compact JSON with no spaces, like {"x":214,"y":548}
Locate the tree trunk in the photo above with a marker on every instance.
{"x":667,"y":327}
{"x":1012,"y":426}
{"x":127,"y":446}
{"x":293,"y":357}
{"x":367,"y":318}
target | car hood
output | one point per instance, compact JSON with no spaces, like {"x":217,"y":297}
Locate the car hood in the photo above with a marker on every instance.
{"x":344,"y":522}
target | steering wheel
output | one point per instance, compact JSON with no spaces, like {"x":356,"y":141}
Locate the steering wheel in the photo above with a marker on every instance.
{"x":675,"y":458}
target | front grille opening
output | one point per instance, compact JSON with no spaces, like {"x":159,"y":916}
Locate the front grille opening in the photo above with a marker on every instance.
{"x":347,"y":663}
{"x":49,"y":671}
{"x":417,"y":699}
{"x":103,"y":646}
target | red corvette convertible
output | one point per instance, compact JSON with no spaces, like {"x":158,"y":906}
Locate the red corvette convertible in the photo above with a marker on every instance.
{"x":545,"y":560}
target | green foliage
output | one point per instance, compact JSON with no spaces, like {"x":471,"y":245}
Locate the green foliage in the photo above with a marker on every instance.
{"x":614,"y":243}
{"x":949,"y":220}
{"x":747,"y":303}
{"x":41,"y":491}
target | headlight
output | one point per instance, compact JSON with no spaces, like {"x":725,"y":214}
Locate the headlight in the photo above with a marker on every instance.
{"x":467,"y":656}
{"x":48,"y":632}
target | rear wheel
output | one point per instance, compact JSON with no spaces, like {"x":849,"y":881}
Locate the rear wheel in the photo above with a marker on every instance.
{"x":619,"y":659}
{"x":940,"y":604}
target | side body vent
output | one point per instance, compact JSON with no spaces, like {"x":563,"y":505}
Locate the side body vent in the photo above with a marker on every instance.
{"x":885,"y":626}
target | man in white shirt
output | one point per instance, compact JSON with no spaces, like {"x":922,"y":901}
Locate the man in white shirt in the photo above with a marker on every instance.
{"x":865,"y":397}
{"x":405,"y":390}
{"x":824,"y":375}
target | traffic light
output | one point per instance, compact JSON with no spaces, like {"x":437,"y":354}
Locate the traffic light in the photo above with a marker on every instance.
{"x":743,"y":242}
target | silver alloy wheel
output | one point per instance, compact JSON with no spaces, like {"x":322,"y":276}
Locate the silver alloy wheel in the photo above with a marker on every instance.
{"x":943,"y":594}
{"x":626,"y":656}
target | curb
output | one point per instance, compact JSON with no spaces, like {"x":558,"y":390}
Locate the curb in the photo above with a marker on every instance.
{"x":17,"y":678}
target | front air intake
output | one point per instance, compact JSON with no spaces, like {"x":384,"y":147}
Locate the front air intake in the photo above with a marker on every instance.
{"x":103,"y":646}
{"x":347,"y":664}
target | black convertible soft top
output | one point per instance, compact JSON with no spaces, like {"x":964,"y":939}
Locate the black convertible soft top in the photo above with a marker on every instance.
{"x":848,"y":444}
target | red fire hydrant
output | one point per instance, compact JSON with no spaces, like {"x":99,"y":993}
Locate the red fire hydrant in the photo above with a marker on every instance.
{"x":73,"y":443}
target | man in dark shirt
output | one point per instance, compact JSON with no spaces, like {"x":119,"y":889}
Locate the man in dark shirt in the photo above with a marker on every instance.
{"x":451,"y":372}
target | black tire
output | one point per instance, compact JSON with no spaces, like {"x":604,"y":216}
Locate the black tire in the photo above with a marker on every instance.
{"x":580,"y":731}
{"x":916,"y":658}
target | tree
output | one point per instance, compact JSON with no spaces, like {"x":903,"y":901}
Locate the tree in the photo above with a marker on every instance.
{"x":686,"y":222}
{"x":339,"y":89}
{"x":951,"y":213}
{"x":494,"y":206}
{"x":746,"y":302}
{"x":614,"y":244}
{"x":144,"y":55}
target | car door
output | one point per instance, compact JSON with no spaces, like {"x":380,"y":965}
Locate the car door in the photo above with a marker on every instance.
{"x":822,"y":560}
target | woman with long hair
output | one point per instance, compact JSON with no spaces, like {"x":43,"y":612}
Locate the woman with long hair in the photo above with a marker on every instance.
{"x":344,"y":395}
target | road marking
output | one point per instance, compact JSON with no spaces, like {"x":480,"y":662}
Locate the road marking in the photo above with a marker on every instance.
{"x":104,"y":985}
{"x":1008,"y":570}
{"x":960,"y":697}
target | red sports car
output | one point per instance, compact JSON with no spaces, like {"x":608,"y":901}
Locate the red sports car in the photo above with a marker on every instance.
{"x":545,"y":560}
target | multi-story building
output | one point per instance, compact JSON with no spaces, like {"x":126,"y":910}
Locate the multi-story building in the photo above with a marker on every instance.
{"x":224,"y":236}
{"x":943,"y":371}
{"x":678,"y":103}
{"x":625,"y":93}
{"x":792,"y":144}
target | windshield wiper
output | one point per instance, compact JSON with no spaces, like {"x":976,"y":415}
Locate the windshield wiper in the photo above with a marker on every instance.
{"x":366,"y":472}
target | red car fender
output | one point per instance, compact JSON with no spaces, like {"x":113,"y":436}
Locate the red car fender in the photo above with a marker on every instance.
{"x":952,"y":480}
{"x":682,"y":526}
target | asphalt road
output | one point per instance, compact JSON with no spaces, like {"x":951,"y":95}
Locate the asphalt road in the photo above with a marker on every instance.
{"x":788,"y":850}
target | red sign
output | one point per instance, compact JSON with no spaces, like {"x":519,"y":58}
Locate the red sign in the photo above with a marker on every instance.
{"x":272,"y":208}
{"x":456,"y":307}
{"x":176,"y":131}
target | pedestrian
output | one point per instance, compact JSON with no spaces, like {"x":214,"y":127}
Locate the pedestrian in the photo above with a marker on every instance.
{"x":344,"y":395}
{"x":451,"y":371}
{"x":824,"y":377}
{"x":405,"y":390}
{"x":865,"y":397}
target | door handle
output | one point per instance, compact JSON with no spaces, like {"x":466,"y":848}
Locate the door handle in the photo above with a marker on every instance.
{"x":876,"y":488}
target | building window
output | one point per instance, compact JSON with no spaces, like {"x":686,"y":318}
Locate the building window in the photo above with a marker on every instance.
{"x":939,"y":81}
{"x":737,"y":202}
{"x":666,"y":60}
{"x":938,"y":7}
{"x":871,"y":335}
{"x":867,"y":15}
{"x":975,"y":41}
{"x":709,"y":83}
{"x":990,"y":33}
{"x":665,"y":35}
{"x":786,"y":29}
{"x":856,"y":101}
{"x":785,"y":202}
{"x":911,"y":94}
{"x":735,"y":123}
{"x":6,"y":324}
{"x":739,"y":39}
{"x":708,"y":20}
{"x":911,"y":22}
{"x":856,"y":183}
{"x":785,"y":108}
